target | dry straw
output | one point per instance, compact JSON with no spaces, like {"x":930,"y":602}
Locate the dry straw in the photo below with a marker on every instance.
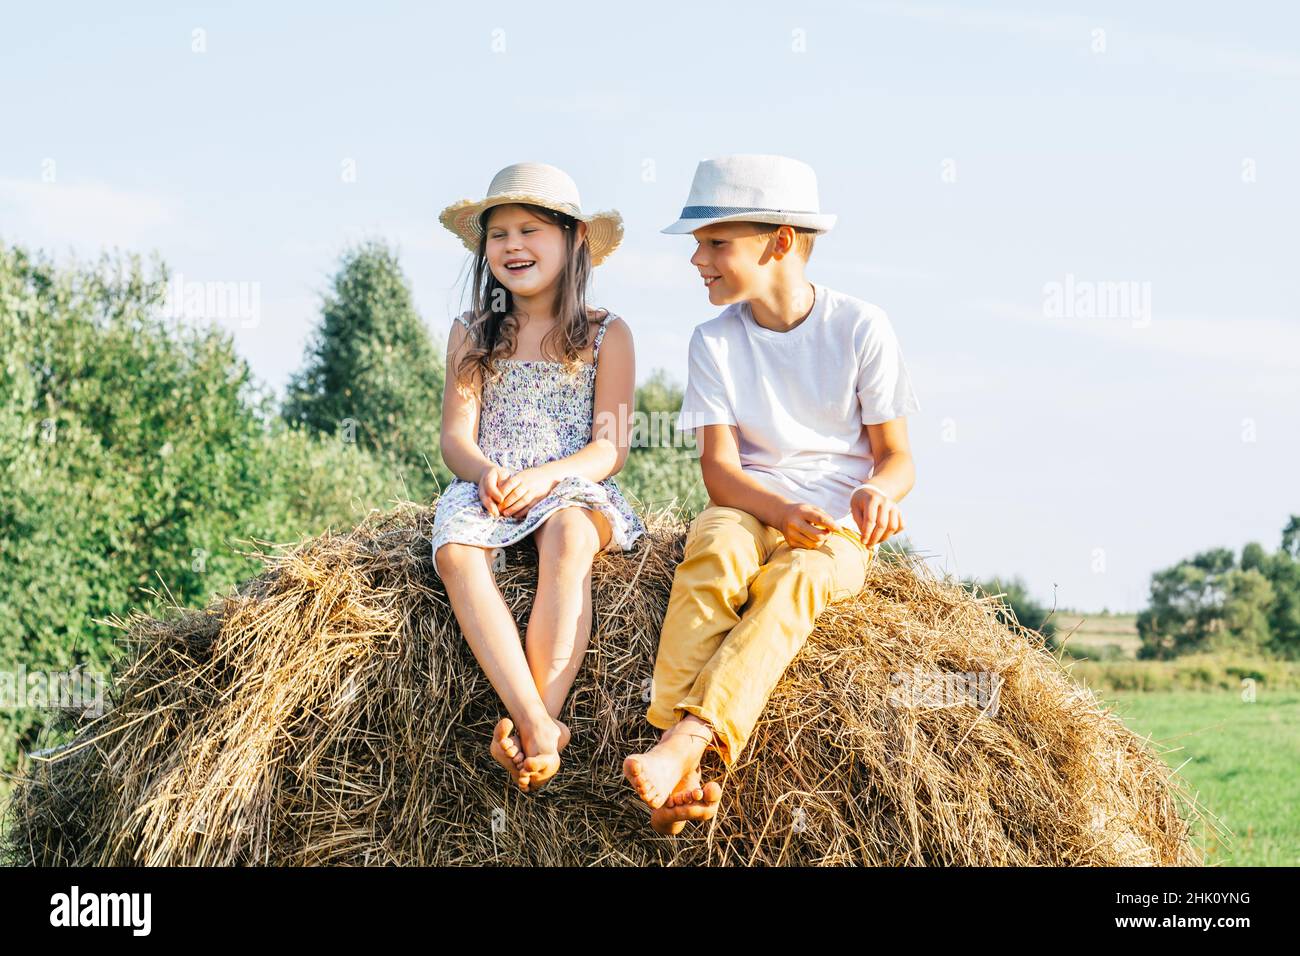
{"x":331,"y":713}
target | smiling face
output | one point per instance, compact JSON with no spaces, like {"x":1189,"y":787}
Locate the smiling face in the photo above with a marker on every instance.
{"x":525,"y":251}
{"x":730,"y":257}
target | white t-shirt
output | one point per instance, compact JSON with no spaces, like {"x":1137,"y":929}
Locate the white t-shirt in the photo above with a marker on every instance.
{"x":800,"y":399}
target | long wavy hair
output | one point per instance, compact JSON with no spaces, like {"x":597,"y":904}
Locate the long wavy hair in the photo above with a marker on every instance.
{"x":494,"y":326}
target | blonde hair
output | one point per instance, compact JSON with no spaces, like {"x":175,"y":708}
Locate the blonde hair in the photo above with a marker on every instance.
{"x":804,"y":237}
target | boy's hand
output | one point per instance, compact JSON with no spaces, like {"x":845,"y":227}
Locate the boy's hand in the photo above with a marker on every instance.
{"x":524,"y":488}
{"x":805,"y":525}
{"x":489,"y":489}
{"x":877,"y":515}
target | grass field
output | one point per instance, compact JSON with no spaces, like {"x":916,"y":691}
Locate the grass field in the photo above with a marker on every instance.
{"x":1241,"y":761}
{"x":1098,"y":637}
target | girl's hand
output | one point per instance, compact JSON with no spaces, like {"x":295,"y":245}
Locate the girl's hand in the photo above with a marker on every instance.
{"x":804,"y":525}
{"x":877,"y":515}
{"x":489,"y":489}
{"x":523,"y":489}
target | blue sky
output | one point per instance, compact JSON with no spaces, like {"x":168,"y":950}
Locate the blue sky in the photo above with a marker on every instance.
{"x":974,"y":156}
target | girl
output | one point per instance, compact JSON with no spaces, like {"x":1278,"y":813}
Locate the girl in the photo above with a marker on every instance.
{"x":534,"y":431}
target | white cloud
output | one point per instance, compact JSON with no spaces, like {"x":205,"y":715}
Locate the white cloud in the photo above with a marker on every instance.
{"x":660,"y":269}
{"x":87,"y":216}
{"x":949,"y":374}
{"x":1267,"y":342}
{"x":590,"y":103}
{"x":976,"y":19}
{"x":1184,"y":52}
{"x":410,"y":237}
{"x":1189,"y":53}
{"x":878,"y":270}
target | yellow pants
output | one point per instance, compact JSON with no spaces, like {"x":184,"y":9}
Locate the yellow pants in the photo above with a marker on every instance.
{"x":742,"y":604}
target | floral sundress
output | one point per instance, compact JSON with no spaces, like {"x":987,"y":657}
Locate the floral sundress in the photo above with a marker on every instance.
{"x":534,"y":413}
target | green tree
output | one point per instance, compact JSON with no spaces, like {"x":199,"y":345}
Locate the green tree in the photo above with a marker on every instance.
{"x":662,"y":467}
{"x":1212,"y":602}
{"x":1243,"y":624}
{"x":1186,"y":605}
{"x":1018,"y":605}
{"x":137,"y":456}
{"x":371,"y":374}
{"x":1253,"y":556}
{"x":1283,"y":572}
{"x":1291,"y":538}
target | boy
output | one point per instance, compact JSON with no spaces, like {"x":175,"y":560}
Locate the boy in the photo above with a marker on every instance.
{"x":797,"y":395}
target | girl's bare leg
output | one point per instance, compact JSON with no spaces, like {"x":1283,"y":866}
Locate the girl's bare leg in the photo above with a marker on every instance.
{"x":560,"y":625}
{"x":489,"y":628}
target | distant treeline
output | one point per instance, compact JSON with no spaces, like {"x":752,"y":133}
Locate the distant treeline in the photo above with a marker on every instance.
{"x":1215,"y":601}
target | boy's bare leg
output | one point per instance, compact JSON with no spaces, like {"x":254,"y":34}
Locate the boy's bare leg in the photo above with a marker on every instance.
{"x":655,"y":774}
{"x":490,"y":630}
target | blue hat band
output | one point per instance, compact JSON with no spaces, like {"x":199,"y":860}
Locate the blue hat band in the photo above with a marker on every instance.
{"x":712,"y":212}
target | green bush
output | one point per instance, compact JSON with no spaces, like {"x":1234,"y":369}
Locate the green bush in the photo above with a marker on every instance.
{"x":139,"y":461}
{"x":662,"y":467}
{"x":1204,"y":671}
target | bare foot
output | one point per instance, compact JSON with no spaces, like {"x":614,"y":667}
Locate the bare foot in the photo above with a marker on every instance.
{"x":541,"y":750}
{"x":690,"y":801}
{"x":655,"y":774}
{"x":538,"y":770}
{"x":508,"y":750}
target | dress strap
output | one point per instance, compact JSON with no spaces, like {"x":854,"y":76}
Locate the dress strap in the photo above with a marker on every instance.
{"x":462,"y":320}
{"x":600,"y":334}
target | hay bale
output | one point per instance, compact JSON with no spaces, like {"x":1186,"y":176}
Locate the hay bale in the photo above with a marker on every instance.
{"x":330,"y":712}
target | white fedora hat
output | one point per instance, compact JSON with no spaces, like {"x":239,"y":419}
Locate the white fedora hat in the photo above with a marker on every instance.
{"x":753,"y":188}
{"x":539,"y":185}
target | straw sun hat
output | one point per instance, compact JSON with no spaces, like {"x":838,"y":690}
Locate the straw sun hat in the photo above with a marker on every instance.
{"x":539,"y":185}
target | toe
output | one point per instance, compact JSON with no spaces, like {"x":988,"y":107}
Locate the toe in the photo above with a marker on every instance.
{"x":666,"y":826}
{"x":541,"y":769}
